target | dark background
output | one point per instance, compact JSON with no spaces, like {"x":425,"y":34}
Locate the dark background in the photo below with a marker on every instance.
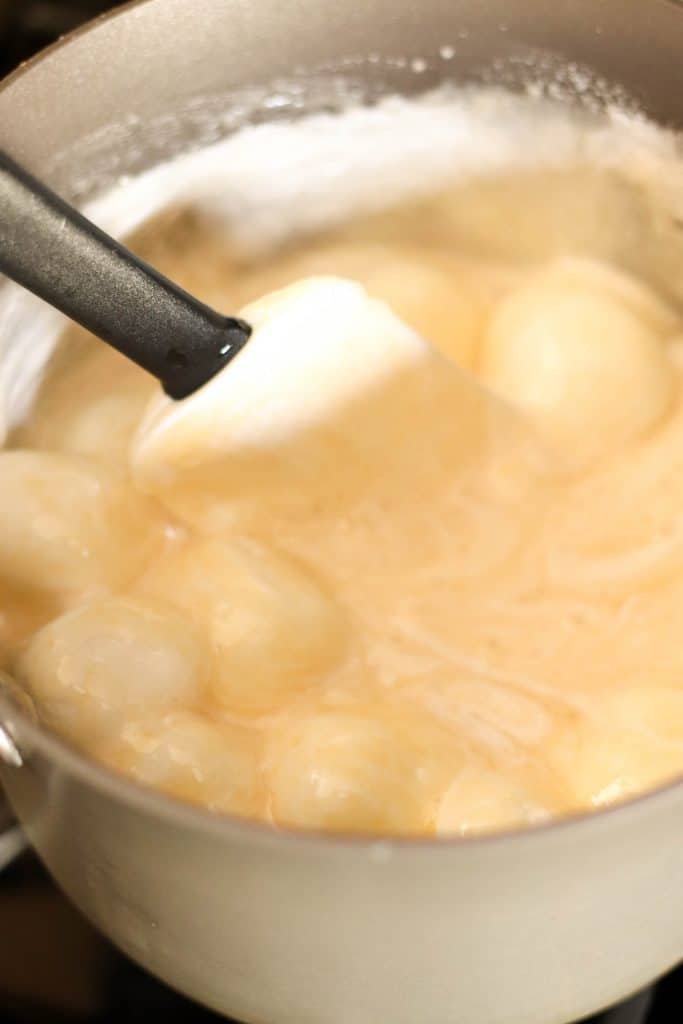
{"x":28,"y":25}
{"x":54,"y":969}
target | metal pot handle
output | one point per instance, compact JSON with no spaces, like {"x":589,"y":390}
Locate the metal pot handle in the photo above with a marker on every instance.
{"x":12,"y":840}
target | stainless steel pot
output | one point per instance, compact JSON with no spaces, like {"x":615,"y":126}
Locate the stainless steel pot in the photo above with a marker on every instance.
{"x":540,"y":927}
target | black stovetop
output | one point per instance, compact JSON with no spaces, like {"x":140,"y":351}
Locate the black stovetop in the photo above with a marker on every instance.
{"x":54,"y":969}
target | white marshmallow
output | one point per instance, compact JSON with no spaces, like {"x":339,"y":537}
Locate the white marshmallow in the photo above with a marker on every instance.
{"x":92,"y":670}
{"x":190,"y":757}
{"x":68,"y":524}
{"x":347,"y":769}
{"x":583,"y":358}
{"x":483,"y":800}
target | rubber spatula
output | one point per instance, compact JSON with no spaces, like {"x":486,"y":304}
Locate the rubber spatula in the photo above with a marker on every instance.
{"x":55,"y":252}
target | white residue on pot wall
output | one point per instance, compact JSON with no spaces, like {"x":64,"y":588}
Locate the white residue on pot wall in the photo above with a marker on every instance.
{"x":270,"y":181}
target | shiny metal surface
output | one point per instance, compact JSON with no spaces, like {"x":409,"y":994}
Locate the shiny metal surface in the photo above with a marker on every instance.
{"x":9,"y":754}
{"x":12,"y":839}
{"x":541,"y":927}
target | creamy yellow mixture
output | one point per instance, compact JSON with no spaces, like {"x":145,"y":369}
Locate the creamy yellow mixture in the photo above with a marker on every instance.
{"x":450,"y":603}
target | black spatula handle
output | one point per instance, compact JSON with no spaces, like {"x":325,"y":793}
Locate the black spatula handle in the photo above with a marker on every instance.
{"x":50,"y":248}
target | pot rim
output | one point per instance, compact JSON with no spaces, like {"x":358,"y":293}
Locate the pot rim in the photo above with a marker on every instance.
{"x":224,"y":826}
{"x":34,"y":738}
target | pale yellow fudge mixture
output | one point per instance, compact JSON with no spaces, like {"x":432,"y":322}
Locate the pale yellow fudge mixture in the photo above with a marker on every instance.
{"x":445,"y":604}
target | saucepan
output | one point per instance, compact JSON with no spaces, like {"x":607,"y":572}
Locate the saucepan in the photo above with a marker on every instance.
{"x":541,"y":926}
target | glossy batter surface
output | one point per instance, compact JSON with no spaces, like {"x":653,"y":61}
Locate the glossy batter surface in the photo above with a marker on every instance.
{"x":429,"y":611}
